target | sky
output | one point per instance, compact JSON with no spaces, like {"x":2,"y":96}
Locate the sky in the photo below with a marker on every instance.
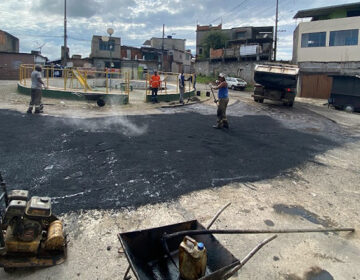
{"x":39,"y":24}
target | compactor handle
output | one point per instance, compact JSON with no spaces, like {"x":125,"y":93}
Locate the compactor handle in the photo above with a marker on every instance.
{"x":4,"y":195}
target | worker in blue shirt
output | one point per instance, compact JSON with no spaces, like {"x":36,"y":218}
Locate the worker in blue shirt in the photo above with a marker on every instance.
{"x":181,"y":79}
{"x":223,"y":100}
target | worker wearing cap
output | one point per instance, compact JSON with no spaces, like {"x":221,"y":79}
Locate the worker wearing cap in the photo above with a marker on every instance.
{"x":154,"y":84}
{"x":36,"y":91}
{"x":223,"y":100}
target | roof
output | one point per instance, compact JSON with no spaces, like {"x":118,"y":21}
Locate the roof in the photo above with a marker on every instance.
{"x":326,"y":10}
{"x":10,"y":35}
{"x":208,"y":27}
{"x":166,"y":38}
{"x":21,"y":53}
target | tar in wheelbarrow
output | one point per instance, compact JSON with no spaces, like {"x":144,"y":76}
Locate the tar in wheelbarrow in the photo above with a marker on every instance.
{"x":153,"y":254}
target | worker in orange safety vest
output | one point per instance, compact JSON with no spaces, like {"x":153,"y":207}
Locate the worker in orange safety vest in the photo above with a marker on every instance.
{"x":154,"y":84}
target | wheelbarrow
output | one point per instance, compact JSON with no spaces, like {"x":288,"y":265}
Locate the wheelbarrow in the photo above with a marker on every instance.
{"x":153,"y":257}
{"x":153,"y":253}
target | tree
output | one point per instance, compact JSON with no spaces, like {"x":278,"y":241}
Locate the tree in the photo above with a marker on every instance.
{"x":214,"y":40}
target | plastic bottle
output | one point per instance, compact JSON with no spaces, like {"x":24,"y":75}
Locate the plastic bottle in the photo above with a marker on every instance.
{"x":192,"y":259}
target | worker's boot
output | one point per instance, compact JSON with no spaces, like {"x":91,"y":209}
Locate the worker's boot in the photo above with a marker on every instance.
{"x":38,"y":110}
{"x":219,"y":125}
{"x":29,"y":111}
{"x":225,"y":124}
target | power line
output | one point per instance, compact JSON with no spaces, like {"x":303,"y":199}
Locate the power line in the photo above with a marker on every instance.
{"x":232,"y":10}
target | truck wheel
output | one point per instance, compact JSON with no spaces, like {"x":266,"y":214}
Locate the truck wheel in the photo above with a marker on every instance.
{"x":261,"y":100}
{"x":255,"y":99}
{"x":100,"y":102}
{"x":232,"y":87}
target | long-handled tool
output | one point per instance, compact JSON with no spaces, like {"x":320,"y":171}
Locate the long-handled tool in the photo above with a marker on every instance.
{"x":252,"y":231}
{"x":213,"y":94}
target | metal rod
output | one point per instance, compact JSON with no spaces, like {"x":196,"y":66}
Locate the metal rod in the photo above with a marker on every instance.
{"x":167,"y":251}
{"x":217,"y":215}
{"x":248,"y":257}
{"x":251,"y":231}
{"x":126,"y":277}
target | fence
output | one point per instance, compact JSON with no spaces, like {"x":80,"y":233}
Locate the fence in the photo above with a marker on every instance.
{"x":109,"y":81}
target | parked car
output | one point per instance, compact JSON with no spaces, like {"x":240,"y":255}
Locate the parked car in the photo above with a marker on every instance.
{"x":236,"y":83}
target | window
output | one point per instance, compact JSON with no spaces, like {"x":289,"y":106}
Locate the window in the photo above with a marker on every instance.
{"x":200,"y":51}
{"x":106,"y":46}
{"x":309,"y":40}
{"x":241,"y":34}
{"x":344,"y":37}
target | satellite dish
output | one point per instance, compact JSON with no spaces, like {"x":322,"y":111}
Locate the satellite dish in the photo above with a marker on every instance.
{"x":104,"y":38}
{"x":110,"y":31}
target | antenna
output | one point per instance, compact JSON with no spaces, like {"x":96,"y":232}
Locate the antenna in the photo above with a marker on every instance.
{"x":39,"y":46}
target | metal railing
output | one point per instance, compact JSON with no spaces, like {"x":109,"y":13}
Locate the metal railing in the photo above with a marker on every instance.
{"x":114,"y":81}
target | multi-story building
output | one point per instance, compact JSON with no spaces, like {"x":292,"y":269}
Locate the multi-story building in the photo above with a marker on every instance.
{"x":241,"y":43}
{"x":168,"y":43}
{"x":103,"y":52}
{"x":327,"y":44}
{"x":169,"y":52}
{"x":8,"y":42}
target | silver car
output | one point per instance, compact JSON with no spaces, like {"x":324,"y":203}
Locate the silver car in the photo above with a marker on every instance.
{"x":236,"y":83}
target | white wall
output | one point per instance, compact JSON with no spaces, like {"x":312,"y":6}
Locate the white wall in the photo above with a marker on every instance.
{"x":327,"y":54}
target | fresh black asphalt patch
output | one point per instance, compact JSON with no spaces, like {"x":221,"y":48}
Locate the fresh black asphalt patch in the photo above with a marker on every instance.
{"x":115,"y":162}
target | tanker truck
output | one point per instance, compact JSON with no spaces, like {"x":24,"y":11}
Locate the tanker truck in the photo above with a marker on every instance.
{"x":276,"y":82}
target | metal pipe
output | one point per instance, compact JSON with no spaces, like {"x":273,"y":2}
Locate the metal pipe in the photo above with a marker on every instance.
{"x":47,"y":77}
{"x":106,"y":80}
{"x":248,"y":257}
{"x":217,"y":215}
{"x":251,"y":231}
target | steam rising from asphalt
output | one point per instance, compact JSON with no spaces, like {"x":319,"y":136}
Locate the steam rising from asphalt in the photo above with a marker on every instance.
{"x":119,"y":124}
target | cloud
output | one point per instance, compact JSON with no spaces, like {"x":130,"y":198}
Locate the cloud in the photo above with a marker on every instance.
{"x":83,"y":8}
{"x":138,"y":20}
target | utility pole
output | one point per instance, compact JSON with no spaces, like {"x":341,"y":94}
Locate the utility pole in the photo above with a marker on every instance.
{"x":162,"y":48}
{"x":276,"y":28}
{"x":65,"y":36}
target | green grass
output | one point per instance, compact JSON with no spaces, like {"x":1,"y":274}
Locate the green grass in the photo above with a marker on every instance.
{"x":204,"y":79}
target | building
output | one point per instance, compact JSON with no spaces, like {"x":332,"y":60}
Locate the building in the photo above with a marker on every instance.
{"x":8,"y":42}
{"x":10,"y":63}
{"x":131,"y":53}
{"x":168,"y":43}
{"x":169,"y":52}
{"x":241,"y":43}
{"x":103,"y":52}
{"x":327,"y":44}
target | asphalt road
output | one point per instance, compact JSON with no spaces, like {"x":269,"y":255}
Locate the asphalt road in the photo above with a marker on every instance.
{"x":130,"y":161}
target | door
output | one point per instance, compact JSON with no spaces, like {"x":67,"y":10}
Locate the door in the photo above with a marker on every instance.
{"x":315,"y":86}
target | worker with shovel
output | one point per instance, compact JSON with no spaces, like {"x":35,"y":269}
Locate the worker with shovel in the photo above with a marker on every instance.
{"x":222,"y":102}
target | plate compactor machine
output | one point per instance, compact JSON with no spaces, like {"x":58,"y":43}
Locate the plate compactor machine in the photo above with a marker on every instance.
{"x":30,"y":235}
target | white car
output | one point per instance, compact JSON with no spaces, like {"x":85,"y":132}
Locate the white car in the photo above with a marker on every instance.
{"x":236,"y":83}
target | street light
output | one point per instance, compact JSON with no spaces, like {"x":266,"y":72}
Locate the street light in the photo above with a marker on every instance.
{"x":109,"y":31}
